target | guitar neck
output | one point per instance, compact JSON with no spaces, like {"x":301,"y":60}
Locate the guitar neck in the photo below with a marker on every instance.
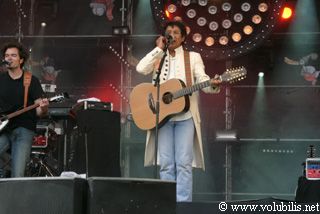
{"x":191,"y":89}
{"x":21,"y":111}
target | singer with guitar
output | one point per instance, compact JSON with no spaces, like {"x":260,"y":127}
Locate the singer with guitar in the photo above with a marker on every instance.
{"x":18,"y":89}
{"x":180,"y":144}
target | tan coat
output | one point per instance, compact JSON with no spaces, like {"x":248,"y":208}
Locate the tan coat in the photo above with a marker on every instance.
{"x":147,"y":65}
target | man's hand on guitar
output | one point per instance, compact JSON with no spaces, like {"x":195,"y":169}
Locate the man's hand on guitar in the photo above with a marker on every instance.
{"x":216,"y":80}
{"x":43,"y":106}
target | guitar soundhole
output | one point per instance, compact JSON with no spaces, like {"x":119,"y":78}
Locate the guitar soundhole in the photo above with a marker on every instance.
{"x":167,"y":97}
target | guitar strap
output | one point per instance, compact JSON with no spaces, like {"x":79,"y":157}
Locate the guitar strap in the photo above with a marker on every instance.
{"x":27,"y":76}
{"x":187,"y":67}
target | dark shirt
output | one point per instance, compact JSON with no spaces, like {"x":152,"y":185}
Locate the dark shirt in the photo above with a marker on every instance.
{"x":12,"y":98}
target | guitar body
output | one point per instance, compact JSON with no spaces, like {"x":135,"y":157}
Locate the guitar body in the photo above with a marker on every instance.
{"x":142,"y":109}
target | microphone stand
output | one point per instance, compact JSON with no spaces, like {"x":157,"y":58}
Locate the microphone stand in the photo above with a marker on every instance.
{"x":157,"y":108}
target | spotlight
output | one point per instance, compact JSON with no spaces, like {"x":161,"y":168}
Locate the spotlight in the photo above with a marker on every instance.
{"x":238,"y":17}
{"x":202,"y":2}
{"x":226,"y":6}
{"x":213,"y":26}
{"x":201,"y":21}
{"x":226,"y":135}
{"x":120,"y":30}
{"x":256,"y":19}
{"x":197,"y":37}
{"x":185,"y":2}
{"x":212,"y":9}
{"x":263,"y":7}
{"x":223,"y":40}
{"x":247,"y":29}
{"x":209,"y":41}
{"x":43,"y":24}
{"x":245,"y":7}
{"x":172,"y":8}
{"x":286,"y":13}
{"x":236,"y":37}
{"x":226,"y":23}
{"x":261,"y":74}
{"x":191,"y":13}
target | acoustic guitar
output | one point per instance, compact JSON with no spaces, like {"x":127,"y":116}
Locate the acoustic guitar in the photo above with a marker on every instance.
{"x":174,"y":98}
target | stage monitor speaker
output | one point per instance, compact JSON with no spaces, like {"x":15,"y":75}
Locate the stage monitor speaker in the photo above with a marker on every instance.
{"x":42,"y":195}
{"x":131,"y":196}
{"x":100,"y":130}
{"x":308,"y":191}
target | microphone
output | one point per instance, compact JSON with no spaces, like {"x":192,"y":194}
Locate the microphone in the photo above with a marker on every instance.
{"x":4,"y":62}
{"x":169,"y":38}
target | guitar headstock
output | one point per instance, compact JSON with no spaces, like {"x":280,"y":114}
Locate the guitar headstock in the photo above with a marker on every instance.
{"x":234,"y":75}
{"x":59,"y":97}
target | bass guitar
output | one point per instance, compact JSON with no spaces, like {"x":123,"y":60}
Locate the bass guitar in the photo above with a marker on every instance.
{"x":174,"y":98}
{"x":4,"y":119}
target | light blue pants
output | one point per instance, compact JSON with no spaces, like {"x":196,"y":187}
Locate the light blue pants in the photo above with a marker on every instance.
{"x":176,"y":155}
{"x":20,"y":141}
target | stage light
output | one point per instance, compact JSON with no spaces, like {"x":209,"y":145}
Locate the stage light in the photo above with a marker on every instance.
{"x":120,"y":30}
{"x":247,"y":29}
{"x":197,"y":37}
{"x":167,"y":14}
{"x":226,"y":135}
{"x":185,"y":2}
{"x":212,"y":9}
{"x":226,"y":23}
{"x":236,"y":37}
{"x":261,"y":74}
{"x":43,"y":24}
{"x":221,"y":29}
{"x":223,"y":40}
{"x":209,"y":41}
{"x":245,"y":7}
{"x":226,"y":6}
{"x":191,"y":13}
{"x":263,"y":7}
{"x":213,"y":26}
{"x":202,"y":2}
{"x":256,"y":19}
{"x":172,"y":8}
{"x":238,"y":17}
{"x":286,"y":13}
{"x":201,"y":21}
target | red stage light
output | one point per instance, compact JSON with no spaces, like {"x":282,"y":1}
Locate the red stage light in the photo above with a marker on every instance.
{"x":286,"y":13}
{"x":167,"y":14}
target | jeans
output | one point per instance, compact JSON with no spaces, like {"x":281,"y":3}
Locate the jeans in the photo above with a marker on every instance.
{"x":176,"y":155}
{"x":20,"y":141}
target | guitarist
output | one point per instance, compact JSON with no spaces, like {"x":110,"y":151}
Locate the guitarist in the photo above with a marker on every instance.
{"x":18,"y":134}
{"x":180,"y":143}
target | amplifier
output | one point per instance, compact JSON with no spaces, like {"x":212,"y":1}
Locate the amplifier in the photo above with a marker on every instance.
{"x":106,"y":106}
{"x":313,"y":168}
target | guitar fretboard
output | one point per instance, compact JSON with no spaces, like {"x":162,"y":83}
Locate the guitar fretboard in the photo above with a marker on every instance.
{"x":191,"y":89}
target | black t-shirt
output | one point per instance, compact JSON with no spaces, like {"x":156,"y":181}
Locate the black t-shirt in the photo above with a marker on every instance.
{"x":12,"y":97}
